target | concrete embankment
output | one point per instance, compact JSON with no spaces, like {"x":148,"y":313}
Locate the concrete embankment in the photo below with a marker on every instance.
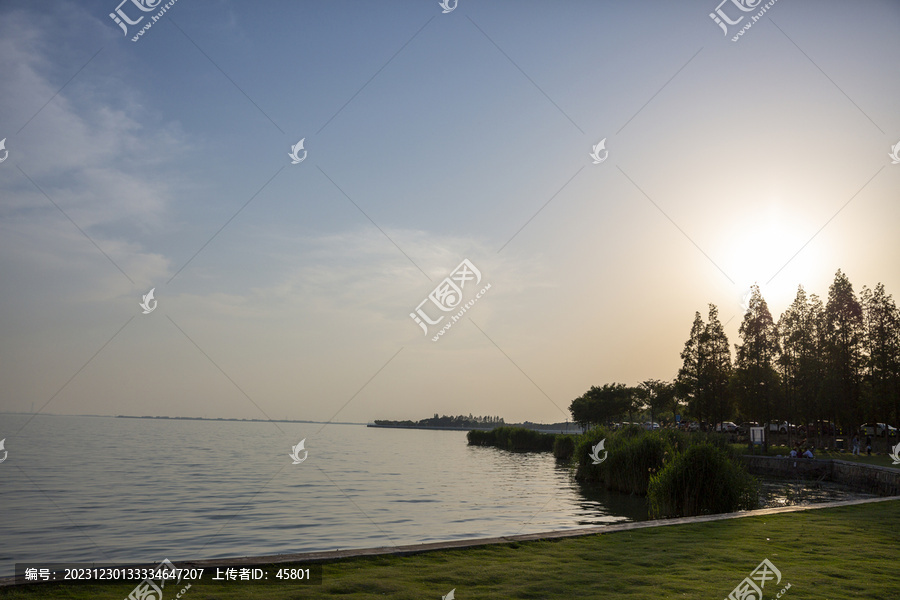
{"x":864,"y":478}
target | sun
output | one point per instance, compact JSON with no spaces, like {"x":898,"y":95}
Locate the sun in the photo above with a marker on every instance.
{"x":765,"y":249}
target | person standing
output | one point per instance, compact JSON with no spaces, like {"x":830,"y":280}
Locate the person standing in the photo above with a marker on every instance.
{"x":854,"y":445}
{"x":868,"y":445}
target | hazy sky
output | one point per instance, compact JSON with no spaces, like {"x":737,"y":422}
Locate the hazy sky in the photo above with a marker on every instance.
{"x":285,"y":290}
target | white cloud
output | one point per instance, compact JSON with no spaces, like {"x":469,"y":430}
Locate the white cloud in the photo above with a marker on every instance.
{"x":83,"y":149}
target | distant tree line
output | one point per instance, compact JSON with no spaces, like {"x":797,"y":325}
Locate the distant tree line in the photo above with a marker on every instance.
{"x":447,"y":421}
{"x":836,"y":362}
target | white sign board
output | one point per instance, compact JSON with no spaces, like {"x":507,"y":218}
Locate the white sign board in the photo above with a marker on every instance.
{"x":757,"y":434}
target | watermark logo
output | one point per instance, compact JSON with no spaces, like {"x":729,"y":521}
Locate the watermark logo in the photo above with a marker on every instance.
{"x":745,"y":300}
{"x":296,"y":159}
{"x":148,"y":298}
{"x":448,"y":7}
{"x":148,"y":589}
{"x":122,"y":20}
{"x":447,"y":297}
{"x":5,"y":453}
{"x":601,"y":146}
{"x":751,"y":587}
{"x":895,"y":455}
{"x":723,"y":20}
{"x":895,"y":153}
{"x":295,"y":452}
{"x":746,"y":295}
{"x":449,"y":596}
{"x":595,"y":452}
{"x":6,"y":152}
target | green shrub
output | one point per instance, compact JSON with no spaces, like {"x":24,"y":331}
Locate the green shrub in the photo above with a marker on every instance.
{"x":480,"y":438}
{"x":704,"y":479}
{"x":681,"y":473}
{"x":633,"y":455}
{"x":584,"y":471}
{"x":517,"y":439}
{"x":632,"y":461}
{"x":564,"y":447}
{"x":636,"y":454}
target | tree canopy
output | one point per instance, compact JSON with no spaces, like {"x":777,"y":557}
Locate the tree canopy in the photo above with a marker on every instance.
{"x":836,"y":362}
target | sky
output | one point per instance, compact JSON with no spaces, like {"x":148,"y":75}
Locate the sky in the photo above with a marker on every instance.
{"x":286,"y":290}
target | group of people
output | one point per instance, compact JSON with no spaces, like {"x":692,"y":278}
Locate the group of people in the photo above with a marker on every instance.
{"x":854,"y":445}
{"x":795,"y":451}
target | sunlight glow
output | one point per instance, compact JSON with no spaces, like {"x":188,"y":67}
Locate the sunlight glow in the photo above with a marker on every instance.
{"x":764,"y":243}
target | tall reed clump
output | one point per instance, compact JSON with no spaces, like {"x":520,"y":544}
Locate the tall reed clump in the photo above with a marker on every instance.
{"x":584,"y":470}
{"x":564,"y":447}
{"x":513,"y":438}
{"x":633,"y":455}
{"x":704,"y":479}
{"x":630,"y":465}
{"x":477,"y":437}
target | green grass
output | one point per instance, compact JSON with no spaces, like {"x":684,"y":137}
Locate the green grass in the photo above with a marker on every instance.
{"x":836,"y":553}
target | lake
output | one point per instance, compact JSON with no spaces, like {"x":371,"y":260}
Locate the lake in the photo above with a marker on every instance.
{"x":103,"y":489}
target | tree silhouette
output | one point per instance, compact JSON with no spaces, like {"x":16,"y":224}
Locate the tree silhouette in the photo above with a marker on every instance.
{"x":801,"y":331}
{"x":755,"y":381}
{"x":703,"y":380}
{"x":658,"y":396}
{"x":881,"y":369}
{"x":844,"y":351}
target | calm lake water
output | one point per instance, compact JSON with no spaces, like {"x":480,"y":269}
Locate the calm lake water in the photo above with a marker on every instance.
{"x":98,"y":489}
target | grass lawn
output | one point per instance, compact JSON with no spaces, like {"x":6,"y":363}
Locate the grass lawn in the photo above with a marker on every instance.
{"x":836,"y":553}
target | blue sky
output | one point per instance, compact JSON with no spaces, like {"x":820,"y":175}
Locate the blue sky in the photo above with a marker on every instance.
{"x":431,"y":138}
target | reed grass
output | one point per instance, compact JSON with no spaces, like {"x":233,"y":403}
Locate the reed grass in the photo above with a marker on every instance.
{"x":701,"y":480}
{"x":516,"y":439}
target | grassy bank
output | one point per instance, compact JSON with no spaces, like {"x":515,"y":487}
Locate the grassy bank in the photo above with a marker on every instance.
{"x":837,"y":553}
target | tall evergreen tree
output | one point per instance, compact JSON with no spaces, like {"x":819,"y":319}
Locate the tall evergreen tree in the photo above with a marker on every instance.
{"x":844,"y":333}
{"x":718,"y":368}
{"x":800,"y":364}
{"x":755,"y":379}
{"x":881,"y":325}
{"x":702,"y":381}
{"x":688,"y":382}
{"x":818,"y":364}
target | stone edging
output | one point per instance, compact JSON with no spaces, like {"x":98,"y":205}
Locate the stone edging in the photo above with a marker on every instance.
{"x":883,"y":481}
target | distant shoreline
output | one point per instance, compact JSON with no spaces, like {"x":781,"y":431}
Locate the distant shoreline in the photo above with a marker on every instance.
{"x":573,"y":430}
{"x":447,"y":428}
{"x":187,"y":418}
